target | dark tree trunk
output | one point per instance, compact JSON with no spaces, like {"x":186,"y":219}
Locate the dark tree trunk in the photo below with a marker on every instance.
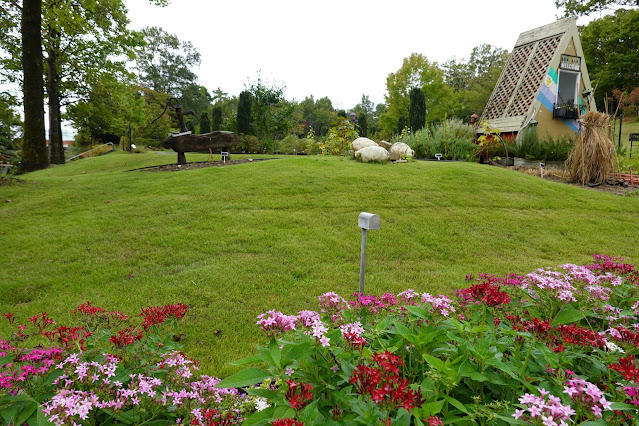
{"x":34,"y":148}
{"x":56,"y":150}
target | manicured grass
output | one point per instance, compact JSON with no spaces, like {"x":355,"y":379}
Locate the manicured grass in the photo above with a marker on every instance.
{"x":234,"y":242}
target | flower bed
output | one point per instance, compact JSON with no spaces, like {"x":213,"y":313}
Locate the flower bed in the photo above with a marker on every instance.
{"x":556,"y":346}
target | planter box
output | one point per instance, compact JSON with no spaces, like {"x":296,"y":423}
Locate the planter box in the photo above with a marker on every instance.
{"x":510,"y":161}
{"x":562,"y":112}
{"x":522,"y":162}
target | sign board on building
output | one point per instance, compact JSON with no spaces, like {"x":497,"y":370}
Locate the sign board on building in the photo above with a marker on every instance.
{"x":569,"y":62}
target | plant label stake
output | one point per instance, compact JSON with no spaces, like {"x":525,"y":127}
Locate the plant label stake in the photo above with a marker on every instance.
{"x":225,"y":156}
{"x":365,"y":221}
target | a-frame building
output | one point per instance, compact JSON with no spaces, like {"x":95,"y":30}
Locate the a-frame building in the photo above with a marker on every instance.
{"x":545,"y":83}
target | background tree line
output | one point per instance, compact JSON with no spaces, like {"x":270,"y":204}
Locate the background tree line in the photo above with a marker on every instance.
{"x":105,"y":79}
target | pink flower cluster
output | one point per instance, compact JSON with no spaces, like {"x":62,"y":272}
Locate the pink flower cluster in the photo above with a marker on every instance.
{"x":38,"y":361}
{"x":442,"y":304}
{"x":332,"y":304}
{"x":550,"y":412}
{"x":587,"y":395}
{"x":177,"y":389}
{"x":275,"y":323}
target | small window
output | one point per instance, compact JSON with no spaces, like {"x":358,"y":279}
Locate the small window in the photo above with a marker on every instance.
{"x":568,"y":88}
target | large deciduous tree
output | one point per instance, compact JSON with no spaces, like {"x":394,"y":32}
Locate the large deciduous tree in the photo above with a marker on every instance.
{"x":270,"y":111}
{"x":587,"y":7}
{"x":34,"y":149}
{"x":416,"y":71}
{"x":165,"y":64}
{"x":473,"y":81}
{"x":611,"y":48}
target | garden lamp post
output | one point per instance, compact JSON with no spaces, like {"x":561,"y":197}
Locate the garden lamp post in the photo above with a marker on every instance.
{"x":365,"y":221}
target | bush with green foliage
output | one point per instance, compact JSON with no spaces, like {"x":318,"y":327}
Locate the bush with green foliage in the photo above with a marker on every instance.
{"x":246,"y":144}
{"x":452,"y":138}
{"x":291,"y":144}
{"x":531,"y":147}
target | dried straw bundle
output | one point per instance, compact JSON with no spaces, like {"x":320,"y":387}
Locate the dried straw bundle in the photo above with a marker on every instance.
{"x":594,"y":156}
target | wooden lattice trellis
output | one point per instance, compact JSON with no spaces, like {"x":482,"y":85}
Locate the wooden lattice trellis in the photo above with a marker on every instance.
{"x":519,"y":83}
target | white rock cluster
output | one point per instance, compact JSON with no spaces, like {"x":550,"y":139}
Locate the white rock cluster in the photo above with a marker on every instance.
{"x":372,"y":153}
{"x":368,"y":150}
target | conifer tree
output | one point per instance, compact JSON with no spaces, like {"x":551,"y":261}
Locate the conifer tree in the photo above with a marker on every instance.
{"x":244,"y":114}
{"x":417,"y":110}
{"x":217,"y":118}
{"x":205,"y":123}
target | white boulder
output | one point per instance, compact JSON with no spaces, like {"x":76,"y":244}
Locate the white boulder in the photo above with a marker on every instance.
{"x":360,"y":143}
{"x":385,"y":144}
{"x":372,"y":153}
{"x":398,"y":149}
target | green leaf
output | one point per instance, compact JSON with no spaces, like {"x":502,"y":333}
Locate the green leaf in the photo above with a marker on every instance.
{"x":297,"y":352}
{"x":403,"y":418}
{"x":264,"y":393}
{"x":265,"y":355}
{"x":432,"y":408}
{"x":6,"y":360}
{"x":436,"y":363}
{"x":622,"y":406}
{"x":419,"y":312}
{"x":260,"y":418}
{"x":310,"y":413}
{"x":126,"y":417}
{"x":452,"y":401}
{"x":254,"y":359}
{"x":276,"y":352}
{"x":248,"y":377}
{"x":568,"y":315}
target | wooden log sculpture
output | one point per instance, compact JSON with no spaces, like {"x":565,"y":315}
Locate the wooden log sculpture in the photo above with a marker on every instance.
{"x":181,"y":143}
{"x":185,"y":141}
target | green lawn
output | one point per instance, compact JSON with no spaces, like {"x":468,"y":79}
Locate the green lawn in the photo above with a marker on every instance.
{"x":236,"y":241}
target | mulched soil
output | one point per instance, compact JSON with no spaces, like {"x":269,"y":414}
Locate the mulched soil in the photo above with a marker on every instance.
{"x":198,"y":165}
{"x":9,"y":181}
{"x":612,"y":186}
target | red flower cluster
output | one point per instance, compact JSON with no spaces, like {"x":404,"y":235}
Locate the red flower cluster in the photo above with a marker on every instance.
{"x":69,"y":336}
{"x":87,"y":309}
{"x":298,"y":400}
{"x":485,"y":292}
{"x":627,"y":368}
{"x":383,"y":383}
{"x":355,"y":341}
{"x":581,"y":336}
{"x":557,"y":337}
{"x":603,"y":264}
{"x":42,"y":321}
{"x":626,"y":336}
{"x":212,"y":417}
{"x":155,"y":315}
{"x":10,"y":317}
{"x":126,"y":337}
{"x":434,"y":421}
{"x":287,"y":422}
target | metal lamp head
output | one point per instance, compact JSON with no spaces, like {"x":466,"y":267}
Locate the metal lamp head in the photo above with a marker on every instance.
{"x":368,"y":221}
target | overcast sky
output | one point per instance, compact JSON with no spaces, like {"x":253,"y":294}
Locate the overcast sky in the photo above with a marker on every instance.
{"x":339,"y":49}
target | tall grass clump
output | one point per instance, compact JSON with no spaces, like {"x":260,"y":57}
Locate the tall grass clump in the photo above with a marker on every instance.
{"x":594,"y":155}
{"x":452,"y":138}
